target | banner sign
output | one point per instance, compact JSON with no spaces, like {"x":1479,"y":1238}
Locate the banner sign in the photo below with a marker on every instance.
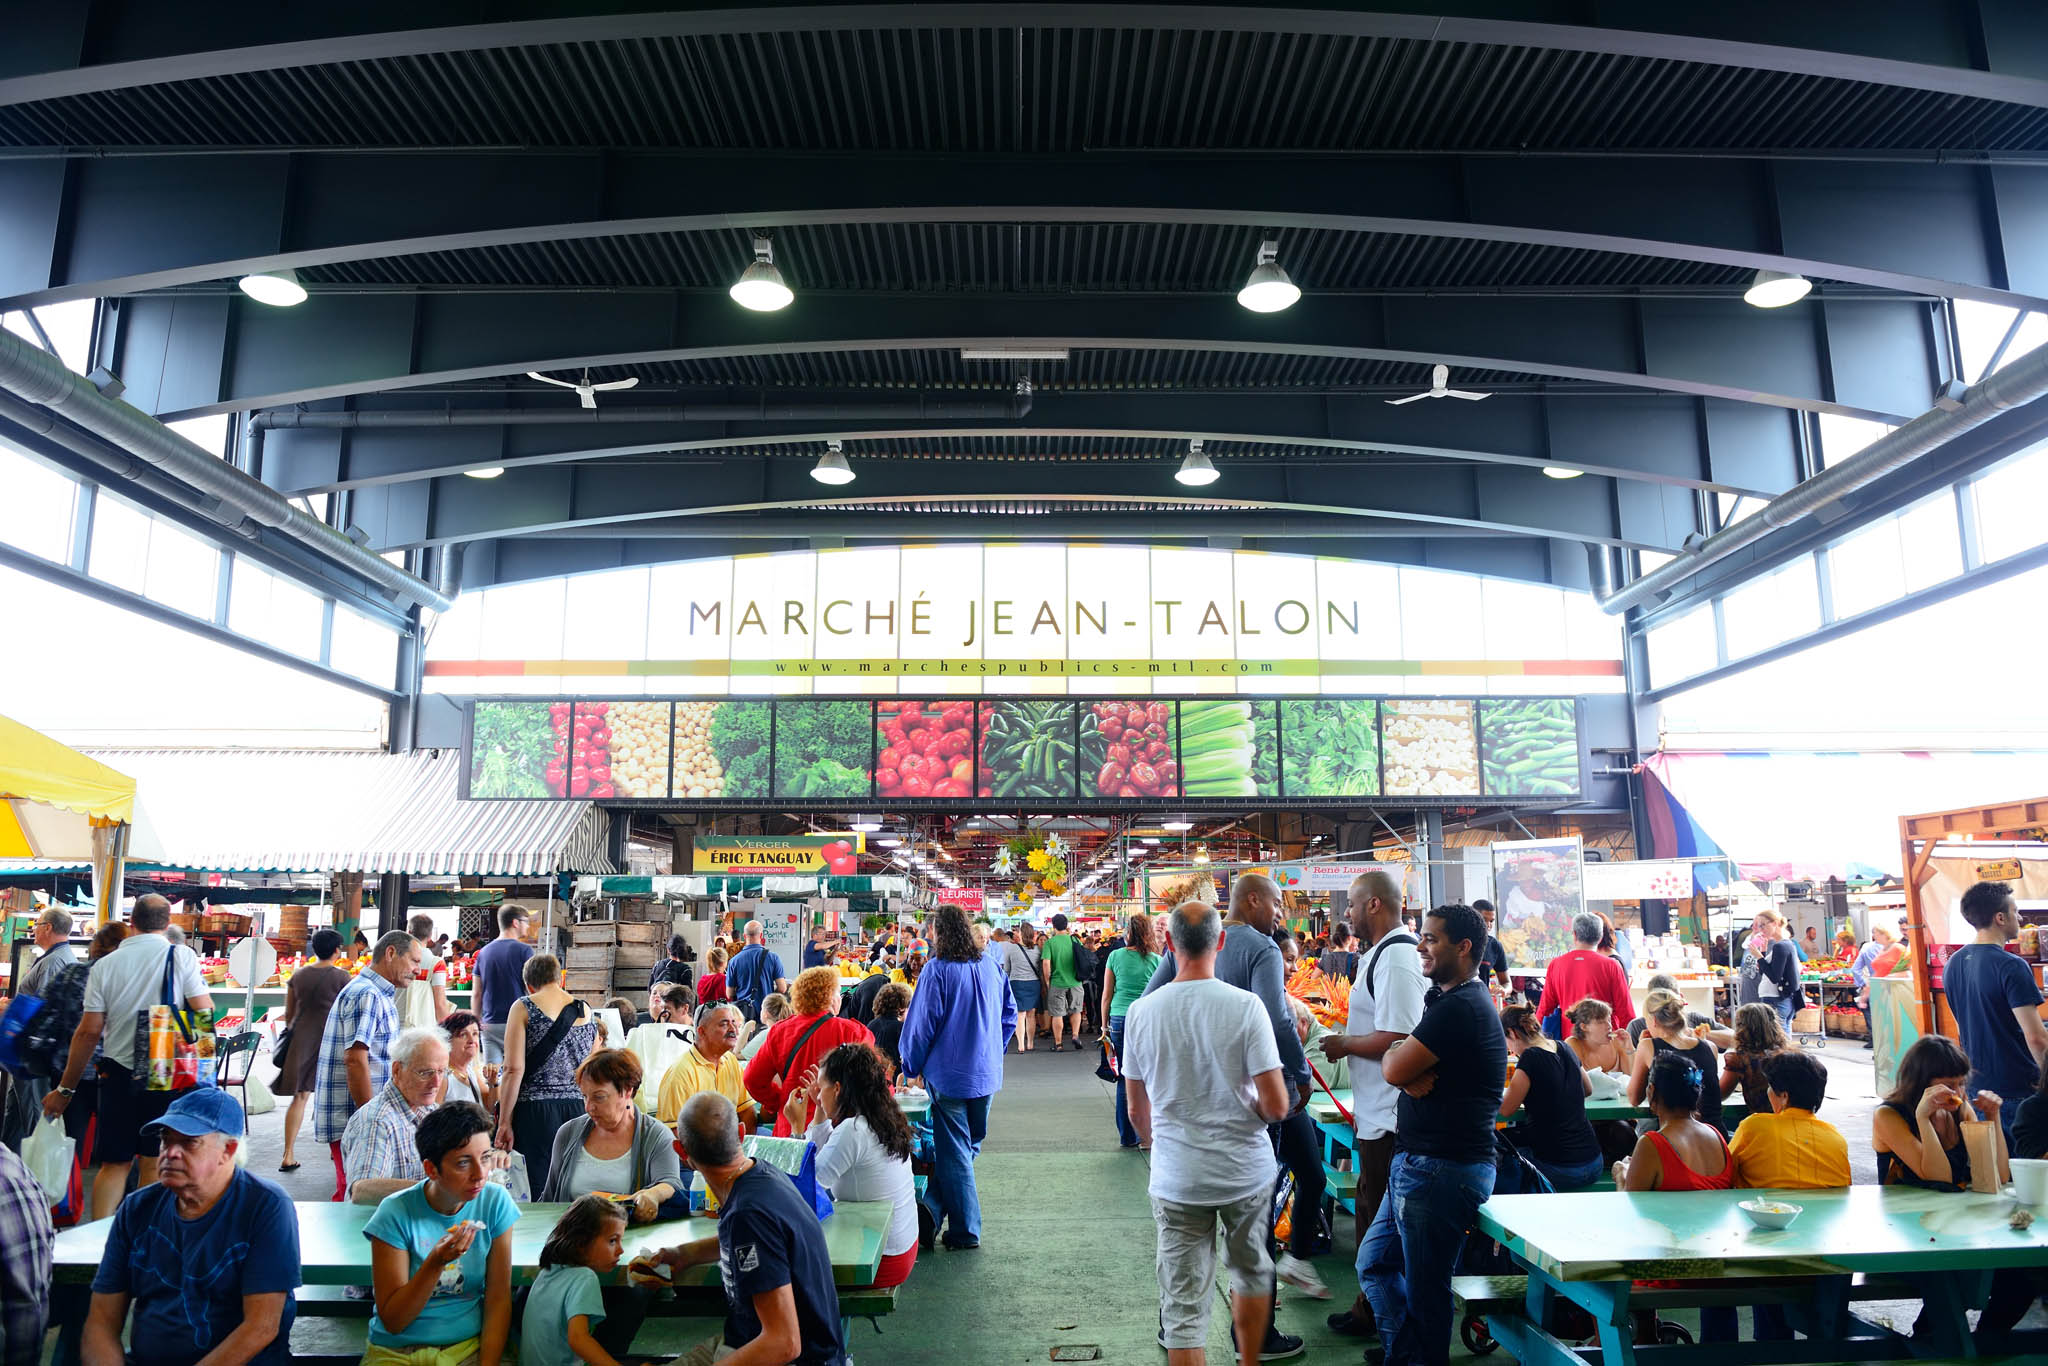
{"x":2000,"y":870}
{"x":827,"y":854}
{"x":1539,"y":886}
{"x":1322,"y":877}
{"x":1061,"y":618}
{"x":968,"y":899}
{"x":831,"y":751}
{"x":1668,"y":880}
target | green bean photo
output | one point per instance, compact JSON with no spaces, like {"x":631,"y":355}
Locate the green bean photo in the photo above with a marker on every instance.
{"x":1529,"y":746}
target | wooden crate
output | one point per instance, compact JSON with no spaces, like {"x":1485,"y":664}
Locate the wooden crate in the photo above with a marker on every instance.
{"x":645,"y":912}
{"x":618,"y":932}
{"x":638,"y":956}
{"x":591,"y":986}
{"x":601,"y":958}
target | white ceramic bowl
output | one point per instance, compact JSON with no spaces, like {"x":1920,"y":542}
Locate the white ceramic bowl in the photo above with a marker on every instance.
{"x":1771,"y":1213}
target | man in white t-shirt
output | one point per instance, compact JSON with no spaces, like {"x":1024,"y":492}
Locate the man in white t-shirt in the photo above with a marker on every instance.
{"x":413,"y":1005}
{"x":126,"y":981}
{"x":1202,"y":1080}
{"x":1386,"y":1001}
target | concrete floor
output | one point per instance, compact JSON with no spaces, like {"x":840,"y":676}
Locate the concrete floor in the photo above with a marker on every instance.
{"x":1066,"y":1255}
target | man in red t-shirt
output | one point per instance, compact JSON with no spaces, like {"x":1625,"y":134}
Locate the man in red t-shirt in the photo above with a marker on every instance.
{"x":1572,"y":977}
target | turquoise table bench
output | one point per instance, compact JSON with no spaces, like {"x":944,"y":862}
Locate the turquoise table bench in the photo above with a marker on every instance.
{"x":1857,"y":1243}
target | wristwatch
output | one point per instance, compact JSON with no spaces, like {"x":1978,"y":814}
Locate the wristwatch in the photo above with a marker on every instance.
{"x":67,"y":1091}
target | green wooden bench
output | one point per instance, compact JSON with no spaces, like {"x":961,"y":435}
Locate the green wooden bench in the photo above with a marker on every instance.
{"x":1483,"y":1295}
{"x":1342,"y":1185}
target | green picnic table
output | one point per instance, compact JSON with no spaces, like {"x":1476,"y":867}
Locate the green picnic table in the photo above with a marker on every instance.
{"x":334,"y":1252}
{"x":1590,"y":1248}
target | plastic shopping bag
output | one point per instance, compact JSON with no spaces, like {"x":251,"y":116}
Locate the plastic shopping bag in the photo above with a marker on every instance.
{"x":48,"y":1154}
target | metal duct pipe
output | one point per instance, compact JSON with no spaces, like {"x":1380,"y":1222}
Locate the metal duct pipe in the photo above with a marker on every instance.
{"x":448,"y":574}
{"x":42,"y":379}
{"x":930,"y":409}
{"x":2018,"y":384}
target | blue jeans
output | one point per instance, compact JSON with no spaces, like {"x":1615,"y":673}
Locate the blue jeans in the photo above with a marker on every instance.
{"x":1570,"y":1178}
{"x":1126,"y":1132}
{"x":1409,"y":1253}
{"x":958,"y":1127}
{"x":1787,"y":1007}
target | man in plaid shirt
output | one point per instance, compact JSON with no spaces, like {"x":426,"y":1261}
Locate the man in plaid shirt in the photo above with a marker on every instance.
{"x":355,"y":1057}
{"x":25,"y":1239}
{"x":379,"y":1150}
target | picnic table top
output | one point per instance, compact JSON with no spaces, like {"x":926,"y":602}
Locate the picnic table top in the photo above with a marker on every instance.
{"x":1659,"y":1235}
{"x":333,"y":1250}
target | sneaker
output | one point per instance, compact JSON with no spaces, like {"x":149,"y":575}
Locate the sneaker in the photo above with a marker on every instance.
{"x":1302,"y":1276}
{"x":1280,"y":1346}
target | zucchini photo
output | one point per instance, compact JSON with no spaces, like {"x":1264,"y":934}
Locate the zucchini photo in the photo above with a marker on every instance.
{"x":1529,"y":746}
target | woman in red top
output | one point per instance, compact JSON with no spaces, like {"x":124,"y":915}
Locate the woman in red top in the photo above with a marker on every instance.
{"x":796,"y":1044}
{"x":711,"y":986}
{"x":1680,"y":1154}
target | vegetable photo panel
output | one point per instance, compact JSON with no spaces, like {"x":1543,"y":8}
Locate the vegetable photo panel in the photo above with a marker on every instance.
{"x":1430,"y":748}
{"x":1529,"y":746}
{"x":521,"y":749}
{"x":1129,"y":749}
{"x":924,"y":748}
{"x":1027,"y":748}
{"x":1330,"y":747}
{"x":823,"y":748}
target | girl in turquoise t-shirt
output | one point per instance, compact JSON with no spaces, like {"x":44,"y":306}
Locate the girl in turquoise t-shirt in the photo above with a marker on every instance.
{"x":567,"y":1300}
{"x":441,"y":1251}
{"x":1125,"y":978}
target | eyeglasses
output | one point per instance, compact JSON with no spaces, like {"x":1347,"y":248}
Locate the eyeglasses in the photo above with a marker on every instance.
{"x":428,"y":1073}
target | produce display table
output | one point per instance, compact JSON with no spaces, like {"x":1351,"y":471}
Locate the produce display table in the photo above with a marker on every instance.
{"x":333,"y":1252}
{"x":1590,"y":1247}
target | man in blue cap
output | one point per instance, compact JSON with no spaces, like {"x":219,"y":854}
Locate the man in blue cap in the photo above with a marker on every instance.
{"x":207,"y":1257}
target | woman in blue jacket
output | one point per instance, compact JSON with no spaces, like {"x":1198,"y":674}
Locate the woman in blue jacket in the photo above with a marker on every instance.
{"x":960,"y":1021}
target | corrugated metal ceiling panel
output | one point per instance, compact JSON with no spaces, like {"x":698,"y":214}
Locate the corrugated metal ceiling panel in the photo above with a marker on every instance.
{"x":1055,"y":89}
{"x":982,"y":258}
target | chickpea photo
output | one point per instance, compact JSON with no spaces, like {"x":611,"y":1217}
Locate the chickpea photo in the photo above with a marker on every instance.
{"x":698,"y":773}
{"x":640,"y":748}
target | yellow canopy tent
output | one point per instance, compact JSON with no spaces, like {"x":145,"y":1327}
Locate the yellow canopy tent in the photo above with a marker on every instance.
{"x":57,"y":804}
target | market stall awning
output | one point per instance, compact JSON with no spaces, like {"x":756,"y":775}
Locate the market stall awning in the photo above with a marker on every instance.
{"x":52,"y":797}
{"x":325,"y":812}
{"x":1782,"y":815}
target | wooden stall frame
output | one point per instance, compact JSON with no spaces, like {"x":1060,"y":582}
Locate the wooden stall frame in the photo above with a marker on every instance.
{"x":2020,"y":821}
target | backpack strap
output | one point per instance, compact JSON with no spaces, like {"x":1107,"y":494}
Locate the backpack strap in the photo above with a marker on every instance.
{"x":1372,"y":964}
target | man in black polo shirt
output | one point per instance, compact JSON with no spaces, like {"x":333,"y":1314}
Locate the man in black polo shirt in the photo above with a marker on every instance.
{"x":1450,"y":1070}
{"x":781,"y":1306}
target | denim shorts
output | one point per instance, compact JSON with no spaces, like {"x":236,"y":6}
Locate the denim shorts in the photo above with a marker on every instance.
{"x":1026,"y":994}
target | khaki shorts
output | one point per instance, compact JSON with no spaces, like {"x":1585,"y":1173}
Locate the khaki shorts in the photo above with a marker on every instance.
{"x":1186,"y":1261}
{"x":1067,"y":1000}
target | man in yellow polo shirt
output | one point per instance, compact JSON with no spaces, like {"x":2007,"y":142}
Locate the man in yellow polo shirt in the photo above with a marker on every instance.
{"x":709,"y":1065}
{"x":1791,"y":1148}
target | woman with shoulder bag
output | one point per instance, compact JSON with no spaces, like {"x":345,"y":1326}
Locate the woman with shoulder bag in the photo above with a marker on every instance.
{"x":548,"y":1035}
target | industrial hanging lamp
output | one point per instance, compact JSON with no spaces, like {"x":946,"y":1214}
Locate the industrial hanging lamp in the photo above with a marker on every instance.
{"x":1775,"y":289}
{"x":832,"y":467}
{"x":761,"y":286}
{"x":278,"y":288}
{"x":1268,"y":288}
{"x":1195,"y":467}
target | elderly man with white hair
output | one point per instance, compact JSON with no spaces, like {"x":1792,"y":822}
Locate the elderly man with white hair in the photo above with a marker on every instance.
{"x":379,"y":1154}
{"x":207,"y":1257}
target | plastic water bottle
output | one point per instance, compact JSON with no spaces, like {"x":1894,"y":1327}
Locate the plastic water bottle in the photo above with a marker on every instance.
{"x":697,"y":1192}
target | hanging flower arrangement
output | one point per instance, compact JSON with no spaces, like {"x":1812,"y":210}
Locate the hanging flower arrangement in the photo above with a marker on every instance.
{"x":1038,"y":860}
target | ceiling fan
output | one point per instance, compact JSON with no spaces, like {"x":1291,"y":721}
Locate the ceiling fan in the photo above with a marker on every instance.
{"x":1438,"y":377}
{"x":585,"y":391}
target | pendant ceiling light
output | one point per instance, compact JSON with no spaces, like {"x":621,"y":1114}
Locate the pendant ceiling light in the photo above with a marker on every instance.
{"x":1775,"y":289}
{"x":1195,"y":467}
{"x":1268,"y":289}
{"x":278,"y":288}
{"x":761,"y":286}
{"x":1562,"y":472}
{"x":832,"y":467}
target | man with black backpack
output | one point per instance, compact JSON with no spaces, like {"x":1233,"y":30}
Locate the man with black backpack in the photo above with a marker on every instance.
{"x":56,"y":983}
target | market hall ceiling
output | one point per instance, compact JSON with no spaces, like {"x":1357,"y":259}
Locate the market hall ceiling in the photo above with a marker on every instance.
{"x":1564,"y":213}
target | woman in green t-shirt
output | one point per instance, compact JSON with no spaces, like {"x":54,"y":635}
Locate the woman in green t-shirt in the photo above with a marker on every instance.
{"x":1124,"y":980}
